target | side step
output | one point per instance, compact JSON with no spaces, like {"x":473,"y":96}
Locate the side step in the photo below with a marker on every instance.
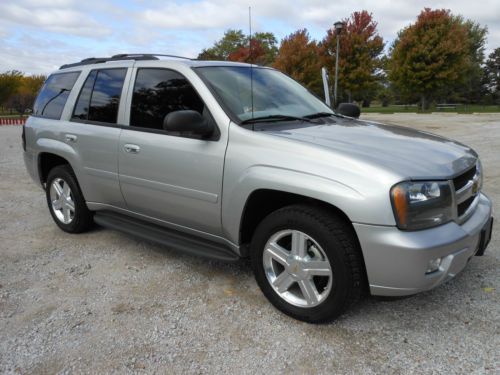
{"x":164,"y":236}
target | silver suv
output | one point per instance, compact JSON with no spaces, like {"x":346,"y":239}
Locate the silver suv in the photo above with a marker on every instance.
{"x":228,"y":160}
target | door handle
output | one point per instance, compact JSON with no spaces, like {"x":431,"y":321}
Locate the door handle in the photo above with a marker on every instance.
{"x":132,"y":149}
{"x":71,"y":138}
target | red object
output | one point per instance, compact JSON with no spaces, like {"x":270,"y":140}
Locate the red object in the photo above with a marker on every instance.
{"x":12,"y":121}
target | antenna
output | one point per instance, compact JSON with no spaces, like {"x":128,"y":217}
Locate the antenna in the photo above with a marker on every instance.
{"x":250,"y":55}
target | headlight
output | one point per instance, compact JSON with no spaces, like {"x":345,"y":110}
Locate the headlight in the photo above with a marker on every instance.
{"x":421,"y":204}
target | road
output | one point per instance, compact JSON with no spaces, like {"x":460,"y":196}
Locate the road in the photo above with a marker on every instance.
{"x":104,"y":302}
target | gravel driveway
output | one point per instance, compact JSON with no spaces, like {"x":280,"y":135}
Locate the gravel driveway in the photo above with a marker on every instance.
{"x":104,"y":302}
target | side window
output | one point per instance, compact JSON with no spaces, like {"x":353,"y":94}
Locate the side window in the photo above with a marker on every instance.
{"x":54,"y":94}
{"x":157,"y":92}
{"x":100,"y":96}
{"x":82,"y":106}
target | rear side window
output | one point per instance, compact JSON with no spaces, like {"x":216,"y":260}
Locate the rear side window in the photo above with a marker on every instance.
{"x":54,"y":94}
{"x":100,"y":96}
{"x":82,"y":106}
{"x":157,"y":92}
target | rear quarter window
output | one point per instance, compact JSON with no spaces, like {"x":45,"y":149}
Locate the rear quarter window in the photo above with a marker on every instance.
{"x":54,"y":94}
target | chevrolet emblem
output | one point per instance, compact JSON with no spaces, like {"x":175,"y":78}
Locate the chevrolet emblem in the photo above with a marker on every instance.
{"x":475,"y":187}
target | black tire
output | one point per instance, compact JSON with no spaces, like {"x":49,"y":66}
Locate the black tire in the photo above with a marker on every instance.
{"x":83,"y":217}
{"x":338,"y":241}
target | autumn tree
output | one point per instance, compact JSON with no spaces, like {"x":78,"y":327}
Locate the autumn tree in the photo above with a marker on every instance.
{"x":234,"y":46}
{"x":18,"y":91}
{"x":298,"y":56}
{"x":430,"y":55}
{"x":254,"y":55}
{"x":25,"y":95}
{"x":359,"y":56}
{"x":9,"y":84}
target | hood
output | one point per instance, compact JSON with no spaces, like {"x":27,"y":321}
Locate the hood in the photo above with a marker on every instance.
{"x":407,"y":152}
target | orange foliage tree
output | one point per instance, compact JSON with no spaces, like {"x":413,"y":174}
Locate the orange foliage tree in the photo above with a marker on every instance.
{"x":298,"y":56}
{"x":360,"y":55}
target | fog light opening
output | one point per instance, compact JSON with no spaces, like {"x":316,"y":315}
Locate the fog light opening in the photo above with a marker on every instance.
{"x":433,"y":265}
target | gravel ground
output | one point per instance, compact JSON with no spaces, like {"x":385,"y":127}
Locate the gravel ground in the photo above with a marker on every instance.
{"x":104,"y":302}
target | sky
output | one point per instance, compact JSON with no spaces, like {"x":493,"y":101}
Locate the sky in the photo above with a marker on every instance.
{"x":37,"y":36}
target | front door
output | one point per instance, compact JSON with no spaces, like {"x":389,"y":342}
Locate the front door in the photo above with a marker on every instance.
{"x":176,"y":178}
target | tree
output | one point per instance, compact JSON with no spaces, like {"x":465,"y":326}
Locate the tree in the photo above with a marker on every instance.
{"x":234,"y":46}
{"x":9,"y":84}
{"x":26,"y":93}
{"x":230,"y":42}
{"x":254,"y":55}
{"x":298,"y":56}
{"x":269,"y":44}
{"x":472,"y":90}
{"x":430,"y":55}
{"x":359,"y":56}
{"x":18,"y":91}
{"x":492,"y":74}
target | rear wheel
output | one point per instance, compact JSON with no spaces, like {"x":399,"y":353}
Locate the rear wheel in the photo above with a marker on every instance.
{"x":65,"y":201}
{"x":307,"y":262}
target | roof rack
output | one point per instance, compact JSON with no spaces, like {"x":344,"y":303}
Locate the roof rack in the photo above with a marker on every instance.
{"x":122,"y":56}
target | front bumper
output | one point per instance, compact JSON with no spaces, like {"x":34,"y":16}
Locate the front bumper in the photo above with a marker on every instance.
{"x":396,"y":261}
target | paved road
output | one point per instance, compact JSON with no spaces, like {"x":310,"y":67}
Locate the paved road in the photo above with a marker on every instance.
{"x":106,"y":302}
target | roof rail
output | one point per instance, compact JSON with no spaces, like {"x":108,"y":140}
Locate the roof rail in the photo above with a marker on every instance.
{"x":133,"y":55}
{"x":122,"y":56}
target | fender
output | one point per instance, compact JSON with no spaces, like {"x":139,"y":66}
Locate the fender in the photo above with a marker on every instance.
{"x":269,"y":177}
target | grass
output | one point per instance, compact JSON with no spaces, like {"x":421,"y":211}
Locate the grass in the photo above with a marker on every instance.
{"x":11,"y":116}
{"x":468,"y":108}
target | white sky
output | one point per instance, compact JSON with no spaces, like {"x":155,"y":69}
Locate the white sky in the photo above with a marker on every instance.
{"x":40,"y":35}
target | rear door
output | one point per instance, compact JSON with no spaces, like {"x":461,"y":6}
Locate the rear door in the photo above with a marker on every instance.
{"x":94,"y":132}
{"x":176,"y":178}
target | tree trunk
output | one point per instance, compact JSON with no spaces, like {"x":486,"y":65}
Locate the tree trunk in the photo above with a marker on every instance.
{"x":423,"y":103}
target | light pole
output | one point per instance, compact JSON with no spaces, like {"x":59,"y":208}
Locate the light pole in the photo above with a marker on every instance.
{"x":338,"y":29}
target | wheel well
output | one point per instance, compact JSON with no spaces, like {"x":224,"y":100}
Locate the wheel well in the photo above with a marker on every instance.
{"x":46,"y":162}
{"x":262,"y":202}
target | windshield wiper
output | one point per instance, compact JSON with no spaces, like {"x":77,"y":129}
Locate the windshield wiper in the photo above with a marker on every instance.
{"x":276,"y":118}
{"x":319,"y":114}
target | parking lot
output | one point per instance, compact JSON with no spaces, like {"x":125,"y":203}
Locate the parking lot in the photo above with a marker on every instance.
{"x":104,"y":302}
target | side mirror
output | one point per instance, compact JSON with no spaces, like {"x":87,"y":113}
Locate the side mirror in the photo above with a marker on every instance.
{"x":188,"y":121}
{"x":349,"y":109}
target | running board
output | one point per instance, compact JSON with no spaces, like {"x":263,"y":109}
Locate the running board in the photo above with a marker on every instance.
{"x":167,"y":237}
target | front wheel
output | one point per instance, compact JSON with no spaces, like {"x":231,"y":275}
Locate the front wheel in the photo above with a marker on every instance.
{"x":307,"y":262}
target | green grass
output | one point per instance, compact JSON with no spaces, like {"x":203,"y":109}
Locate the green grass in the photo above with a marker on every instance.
{"x":470,"y":108}
{"x":11,"y":116}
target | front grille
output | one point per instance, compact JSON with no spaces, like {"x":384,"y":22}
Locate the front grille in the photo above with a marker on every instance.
{"x":462,"y":180}
{"x":462,"y":207}
{"x":467,"y":192}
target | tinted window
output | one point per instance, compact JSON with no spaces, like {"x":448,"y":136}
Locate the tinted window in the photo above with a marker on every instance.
{"x":157,"y":92}
{"x":54,"y":94}
{"x":82,"y":106}
{"x":100,"y":96}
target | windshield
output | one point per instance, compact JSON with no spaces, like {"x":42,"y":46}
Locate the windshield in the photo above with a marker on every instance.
{"x":274,"y":93}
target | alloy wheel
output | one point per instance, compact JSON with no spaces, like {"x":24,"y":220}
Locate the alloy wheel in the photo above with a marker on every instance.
{"x":297,"y":268}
